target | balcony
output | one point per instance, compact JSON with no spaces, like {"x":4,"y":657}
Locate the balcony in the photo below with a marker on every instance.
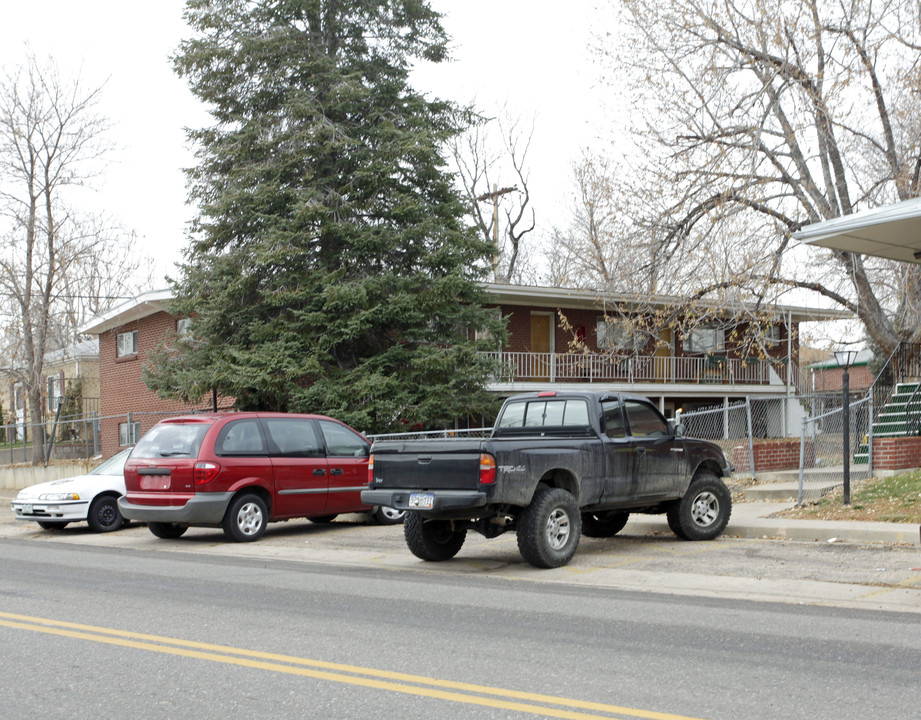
{"x":633,"y":369}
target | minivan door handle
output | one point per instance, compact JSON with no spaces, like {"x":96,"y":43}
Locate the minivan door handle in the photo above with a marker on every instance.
{"x":319,"y":471}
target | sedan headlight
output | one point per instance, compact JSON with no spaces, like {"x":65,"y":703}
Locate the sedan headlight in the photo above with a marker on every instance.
{"x":58,"y":497}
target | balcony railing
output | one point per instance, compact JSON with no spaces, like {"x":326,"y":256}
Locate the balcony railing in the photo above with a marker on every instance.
{"x":596,"y":367}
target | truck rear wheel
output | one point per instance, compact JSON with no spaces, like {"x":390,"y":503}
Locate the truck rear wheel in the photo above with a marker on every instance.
{"x":603,"y":524}
{"x":433,"y":540}
{"x":549,"y":528}
{"x":703,"y":513}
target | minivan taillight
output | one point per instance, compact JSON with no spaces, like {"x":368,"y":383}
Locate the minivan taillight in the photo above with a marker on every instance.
{"x":371,"y":470}
{"x":205,"y":472}
{"x":487,"y":469}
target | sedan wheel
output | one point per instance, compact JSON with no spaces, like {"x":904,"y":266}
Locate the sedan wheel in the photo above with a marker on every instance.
{"x":104,"y":515}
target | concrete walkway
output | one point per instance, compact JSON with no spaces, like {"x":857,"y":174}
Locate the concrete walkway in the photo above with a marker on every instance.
{"x":753,"y":520}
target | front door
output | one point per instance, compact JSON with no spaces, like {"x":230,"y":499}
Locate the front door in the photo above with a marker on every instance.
{"x":541,"y":346}
{"x":663,"y":355}
{"x":347,"y":454}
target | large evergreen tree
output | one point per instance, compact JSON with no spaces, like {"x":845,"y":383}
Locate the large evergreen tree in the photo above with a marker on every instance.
{"x":330,"y":269}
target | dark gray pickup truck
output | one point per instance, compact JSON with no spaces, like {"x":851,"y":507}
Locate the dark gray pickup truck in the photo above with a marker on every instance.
{"x":556,"y":466}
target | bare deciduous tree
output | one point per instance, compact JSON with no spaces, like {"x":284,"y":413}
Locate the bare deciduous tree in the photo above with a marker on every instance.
{"x":51,"y":139}
{"x":759,"y":116}
{"x":480,"y":165}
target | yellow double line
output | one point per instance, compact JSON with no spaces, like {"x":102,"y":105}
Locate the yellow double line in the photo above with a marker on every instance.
{"x":447,"y":690}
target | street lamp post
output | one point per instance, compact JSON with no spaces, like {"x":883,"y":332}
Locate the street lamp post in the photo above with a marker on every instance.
{"x":845,"y":358}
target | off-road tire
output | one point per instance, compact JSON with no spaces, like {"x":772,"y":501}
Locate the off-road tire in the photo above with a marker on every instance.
{"x":549,"y":528}
{"x":246,"y":519}
{"x":167,"y":531}
{"x":703,"y":513}
{"x":103,"y":515}
{"x":603,"y":524}
{"x":433,"y":540}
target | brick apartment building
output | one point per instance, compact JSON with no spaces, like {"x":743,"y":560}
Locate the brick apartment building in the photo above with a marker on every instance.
{"x":558,"y":338}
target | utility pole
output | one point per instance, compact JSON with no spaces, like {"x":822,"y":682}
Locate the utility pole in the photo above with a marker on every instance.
{"x":494,"y":196}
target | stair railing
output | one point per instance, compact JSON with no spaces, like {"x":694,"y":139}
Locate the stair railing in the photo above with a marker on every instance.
{"x":913,"y":412}
{"x":905,"y":361}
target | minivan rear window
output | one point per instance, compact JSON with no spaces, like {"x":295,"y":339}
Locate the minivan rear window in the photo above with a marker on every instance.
{"x":171,"y":440}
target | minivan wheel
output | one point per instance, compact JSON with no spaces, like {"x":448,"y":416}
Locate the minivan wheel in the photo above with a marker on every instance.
{"x":167,"y":531}
{"x":387,"y":515}
{"x":245,"y":519}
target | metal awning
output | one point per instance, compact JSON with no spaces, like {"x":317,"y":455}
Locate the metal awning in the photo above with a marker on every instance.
{"x":892,"y":231}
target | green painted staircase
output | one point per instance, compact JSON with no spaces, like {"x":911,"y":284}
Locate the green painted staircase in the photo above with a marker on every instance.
{"x":893,"y":420}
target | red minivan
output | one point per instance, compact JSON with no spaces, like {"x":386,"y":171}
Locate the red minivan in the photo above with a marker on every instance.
{"x":239,"y":471}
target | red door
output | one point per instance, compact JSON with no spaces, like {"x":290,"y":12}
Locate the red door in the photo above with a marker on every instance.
{"x":300,"y":467}
{"x":347,"y":455}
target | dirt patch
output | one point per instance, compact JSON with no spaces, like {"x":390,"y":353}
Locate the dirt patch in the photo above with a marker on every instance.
{"x":895,"y":499}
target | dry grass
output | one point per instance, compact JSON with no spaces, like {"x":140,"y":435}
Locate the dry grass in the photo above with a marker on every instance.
{"x":893,"y":499}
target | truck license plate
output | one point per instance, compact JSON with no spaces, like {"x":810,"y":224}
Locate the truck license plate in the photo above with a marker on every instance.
{"x":421,"y":500}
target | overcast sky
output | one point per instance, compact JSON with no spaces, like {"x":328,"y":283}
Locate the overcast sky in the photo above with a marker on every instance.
{"x":528,"y":56}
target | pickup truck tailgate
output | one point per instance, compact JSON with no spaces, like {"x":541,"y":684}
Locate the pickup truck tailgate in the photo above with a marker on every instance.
{"x":426,"y":464}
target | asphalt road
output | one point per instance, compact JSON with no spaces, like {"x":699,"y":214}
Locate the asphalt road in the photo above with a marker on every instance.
{"x":340,"y":621}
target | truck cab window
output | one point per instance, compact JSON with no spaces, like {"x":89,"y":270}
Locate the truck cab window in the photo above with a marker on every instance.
{"x":612,"y":420}
{"x":645,"y":421}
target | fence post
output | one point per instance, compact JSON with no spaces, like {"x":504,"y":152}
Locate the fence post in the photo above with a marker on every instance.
{"x":751,"y":442}
{"x":870,"y":435}
{"x":802,"y":462}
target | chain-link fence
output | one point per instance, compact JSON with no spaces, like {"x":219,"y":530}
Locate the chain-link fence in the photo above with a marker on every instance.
{"x":433,"y":434}
{"x":728,"y":426}
{"x":63,"y":438}
{"x":76,"y":437}
{"x":797,"y":440}
{"x":824,"y":452}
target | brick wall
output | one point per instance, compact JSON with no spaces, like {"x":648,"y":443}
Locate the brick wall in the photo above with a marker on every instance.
{"x":122,"y":390}
{"x":832,"y":379}
{"x":779,"y":454}
{"x":897,"y":453}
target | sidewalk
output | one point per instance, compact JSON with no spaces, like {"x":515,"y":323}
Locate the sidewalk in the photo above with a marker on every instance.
{"x":752,"y":520}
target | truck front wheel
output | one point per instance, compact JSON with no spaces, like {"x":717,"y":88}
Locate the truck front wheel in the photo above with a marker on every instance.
{"x":549,"y":528}
{"x":703,"y":513}
{"x":433,"y":540}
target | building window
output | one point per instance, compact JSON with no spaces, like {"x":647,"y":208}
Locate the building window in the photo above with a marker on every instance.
{"x":615,"y":336}
{"x":184,"y":327}
{"x":128,"y":433}
{"x":127,"y":344}
{"x":772,"y":336}
{"x":706,"y":339}
{"x":55,"y":392}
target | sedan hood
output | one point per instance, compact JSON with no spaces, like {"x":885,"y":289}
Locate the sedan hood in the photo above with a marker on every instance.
{"x":80,"y":484}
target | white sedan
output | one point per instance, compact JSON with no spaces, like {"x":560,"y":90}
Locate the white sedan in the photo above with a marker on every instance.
{"x":92,"y":497}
